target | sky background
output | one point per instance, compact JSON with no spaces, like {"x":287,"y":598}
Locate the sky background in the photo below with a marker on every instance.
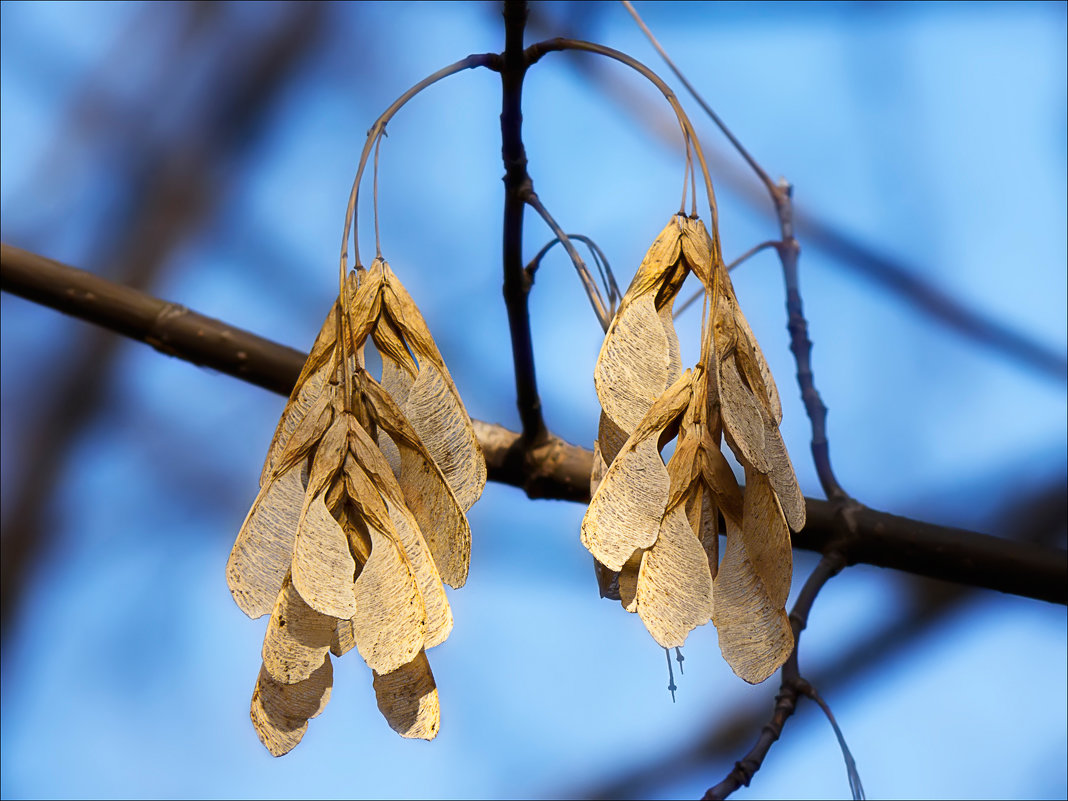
{"x":934,"y":134}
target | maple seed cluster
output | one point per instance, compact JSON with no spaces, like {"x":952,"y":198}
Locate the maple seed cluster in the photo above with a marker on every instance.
{"x":360,"y":517}
{"x":654,"y":527}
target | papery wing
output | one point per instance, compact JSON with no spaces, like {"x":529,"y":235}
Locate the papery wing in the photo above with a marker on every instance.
{"x":408,"y":699}
{"x":783,"y":479}
{"x":390,"y":626}
{"x":635,"y":364}
{"x":323,"y":566}
{"x":297,"y":638}
{"x":742,"y":419}
{"x":674,"y":593}
{"x":754,"y":634}
{"x":280,"y":712}
{"x":263,"y":551}
{"x":433,"y":404}
{"x":766,"y":538}
{"x":425,"y":490}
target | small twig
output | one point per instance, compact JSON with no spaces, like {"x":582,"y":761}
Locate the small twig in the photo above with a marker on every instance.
{"x":791,"y":687}
{"x":771,"y":243}
{"x":701,"y":101}
{"x":604,"y":269}
{"x":517,"y":186}
{"x":855,"y":785}
{"x":604,"y":316}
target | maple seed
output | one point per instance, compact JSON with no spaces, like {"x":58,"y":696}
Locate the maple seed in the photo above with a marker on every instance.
{"x":656,"y":526}
{"x":360,"y":518}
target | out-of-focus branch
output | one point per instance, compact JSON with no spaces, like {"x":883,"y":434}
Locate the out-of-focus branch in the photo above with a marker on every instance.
{"x":168,"y":191}
{"x":905,"y":281}
{"x":560,"y":470}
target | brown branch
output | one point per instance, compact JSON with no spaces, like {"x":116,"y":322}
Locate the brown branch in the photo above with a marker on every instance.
{"x":517,"y":189}
{"x":557,"y":469}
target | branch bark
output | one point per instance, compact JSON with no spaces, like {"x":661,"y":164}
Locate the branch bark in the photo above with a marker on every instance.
{"x":517,"y":187}
{"x":556,"y":469}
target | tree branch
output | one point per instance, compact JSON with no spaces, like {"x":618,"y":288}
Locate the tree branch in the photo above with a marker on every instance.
{"x":517,"y":188}
{"x":556,"y":469}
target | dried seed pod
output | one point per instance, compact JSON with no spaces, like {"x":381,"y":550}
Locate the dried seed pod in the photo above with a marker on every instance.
{"x":423,"y":486}
{"x":263,"y":551}
{"x":297,"y":638}
{"x":640,"y":355}
{"x":431,"y":403}
{"x":674,"y":593}
{"x":658,"y":525}
{"x":391,"y":625}
{"x":626,"y":513}
{"x":408,"y":699}
{"x":348,"y":539}
{"x":754,"y":632}
{"x":280,"y":712}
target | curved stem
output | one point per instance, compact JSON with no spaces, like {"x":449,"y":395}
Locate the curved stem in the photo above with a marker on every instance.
{"x":539,"y":49}
{"x":374,"y":197}
{"x":701,"y":101}
{"x":594,"y":294}
{"x":604,"y":269}
{"x":489,"y":60}
{"x":377,"y":130}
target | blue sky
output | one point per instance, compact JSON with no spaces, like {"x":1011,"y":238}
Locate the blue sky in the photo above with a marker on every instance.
{"x":933,"y":133}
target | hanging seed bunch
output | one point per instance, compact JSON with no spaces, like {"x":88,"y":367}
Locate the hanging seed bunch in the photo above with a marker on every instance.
{"x":656,"y":525}
{"x":360,"y":517}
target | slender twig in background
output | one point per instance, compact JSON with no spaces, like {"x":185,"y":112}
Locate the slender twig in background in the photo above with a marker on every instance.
{"x":754,"y":165}
{"x":608,"y":278}
{"x":906,"y":282}
{"x":561,"y":471}
{"x":792,"y":685}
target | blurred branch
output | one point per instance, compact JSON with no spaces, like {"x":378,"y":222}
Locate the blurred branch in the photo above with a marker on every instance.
{"x":168,"y":191}
{"x":557,"y":469}
{"x":903,"y":281}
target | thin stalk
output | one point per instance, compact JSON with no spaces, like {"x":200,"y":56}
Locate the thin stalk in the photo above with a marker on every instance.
{"x":604,"y":317}
{"x":539,"y":49}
